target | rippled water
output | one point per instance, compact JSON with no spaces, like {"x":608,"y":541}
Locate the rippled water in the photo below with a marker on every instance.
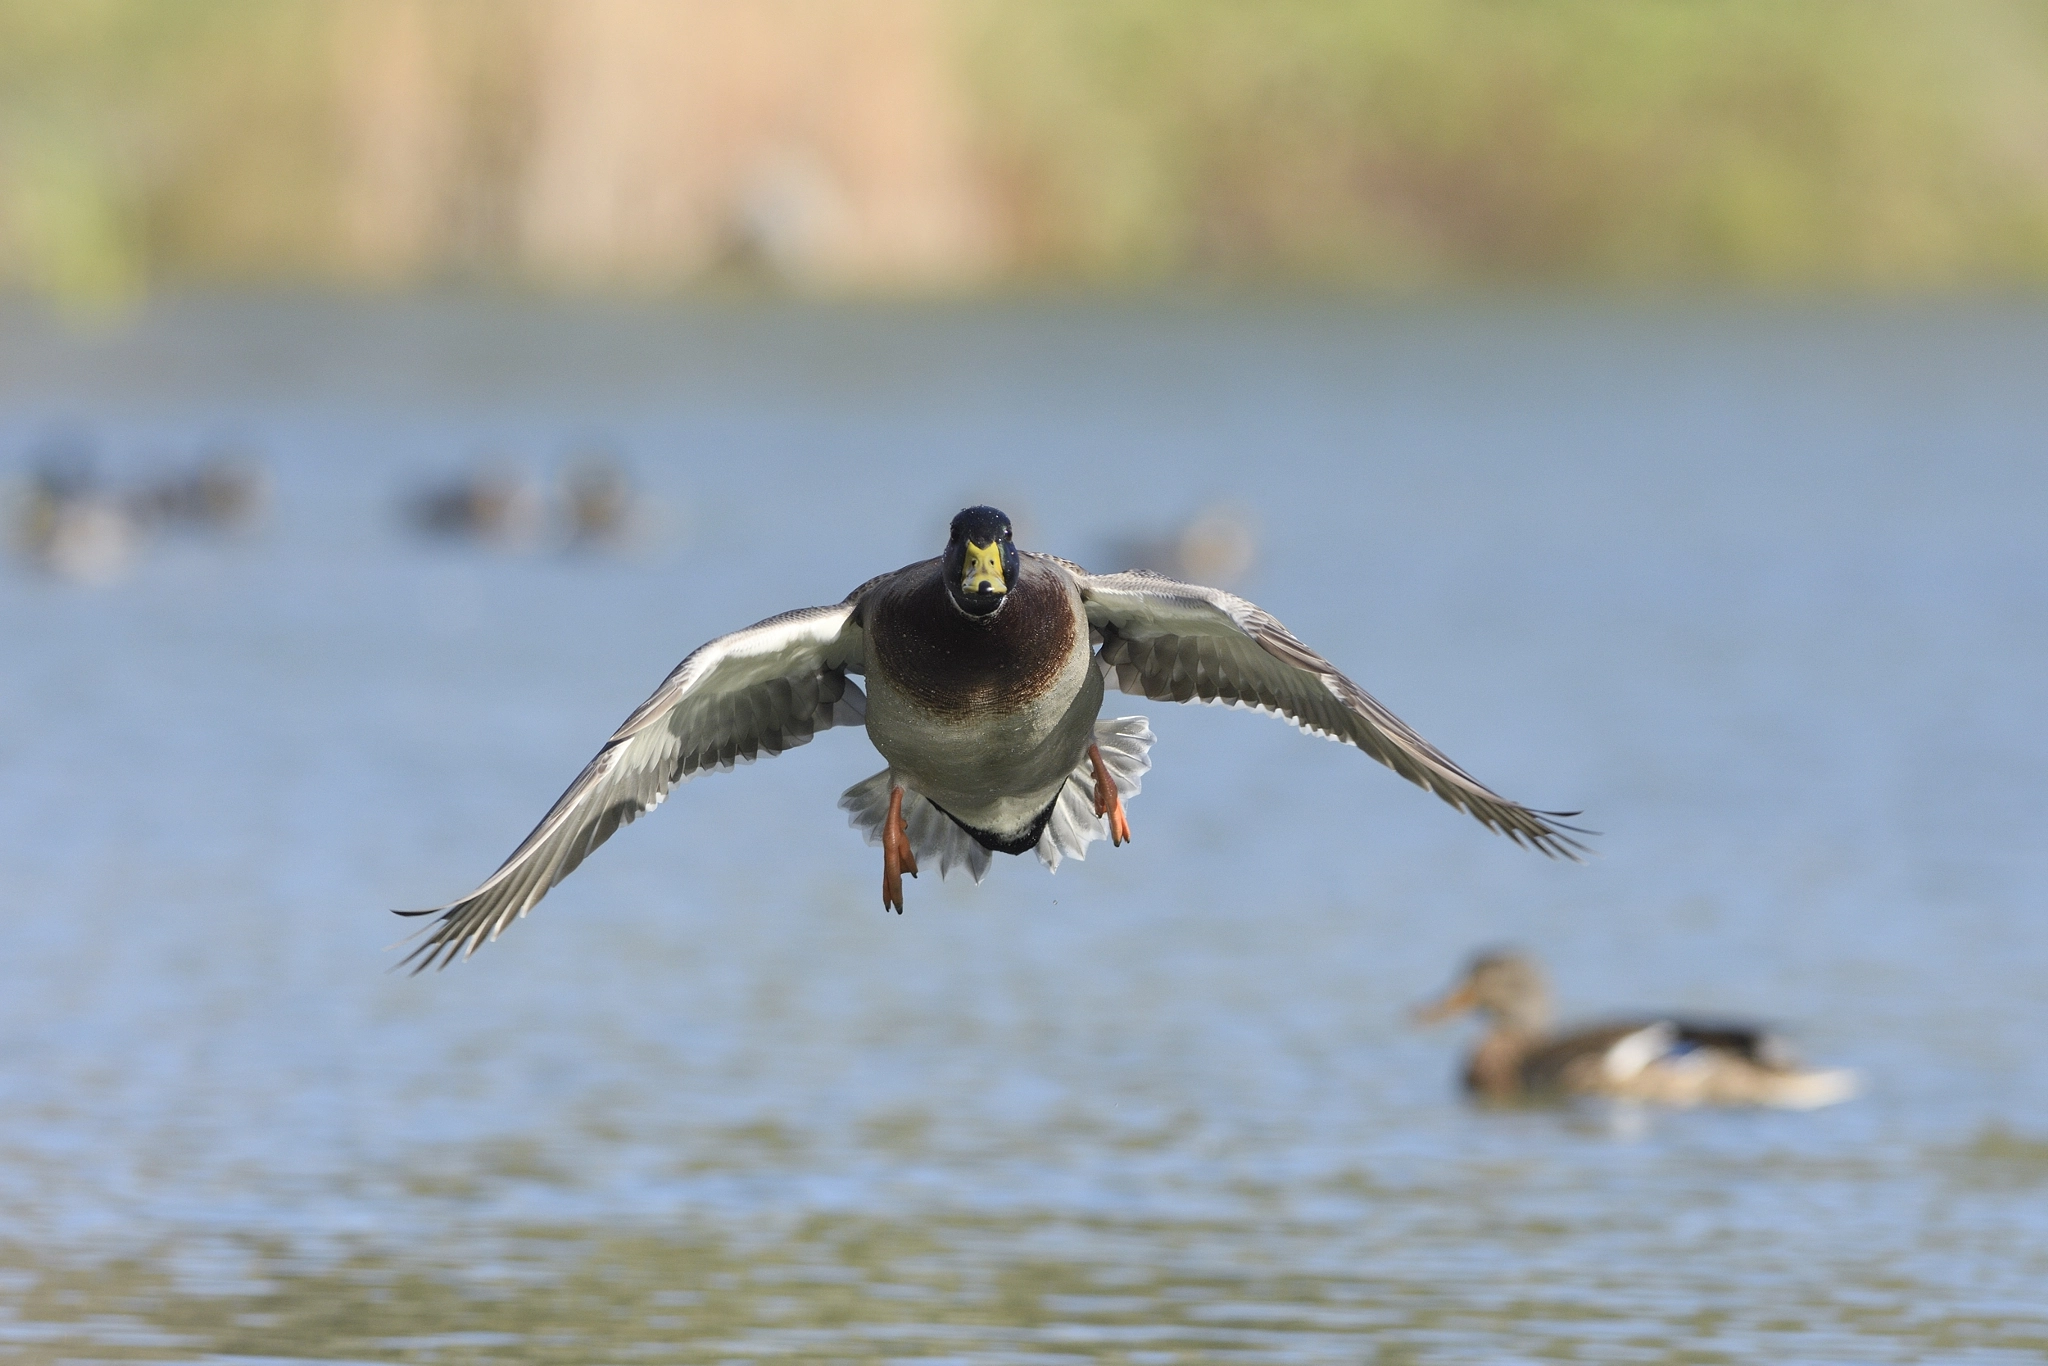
{"x":1765,"y":592}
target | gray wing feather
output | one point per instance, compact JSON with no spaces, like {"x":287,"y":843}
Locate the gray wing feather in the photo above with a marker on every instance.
{"x":759,"y":691}
{"x":1182,"y":642}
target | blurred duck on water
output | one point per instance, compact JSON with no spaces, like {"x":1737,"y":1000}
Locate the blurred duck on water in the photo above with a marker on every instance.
{"x":227,"y":491}
{"x":1217,"y":545}
{"x":986,"y":668}
{"x":595,"y":507}
{"x":599,"y":504}
{"x":1659,"y":1059}
{"x":71,"y":527}
{"x":497,"y":506}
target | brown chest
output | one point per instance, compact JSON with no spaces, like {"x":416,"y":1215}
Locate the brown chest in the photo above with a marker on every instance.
{"x":1494,"y":1070}
{"x":955,"y":666}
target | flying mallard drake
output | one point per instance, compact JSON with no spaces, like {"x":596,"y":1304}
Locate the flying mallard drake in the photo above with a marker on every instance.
{"x":1660,"y":1059}
{"x":985,"y":672}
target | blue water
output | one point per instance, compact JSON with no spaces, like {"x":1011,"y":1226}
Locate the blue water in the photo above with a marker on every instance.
{"x":1763,"y":590}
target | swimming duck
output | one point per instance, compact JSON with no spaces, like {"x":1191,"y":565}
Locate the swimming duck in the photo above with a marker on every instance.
{"x":499,"y":506}
{"x":72,"y":527}
{"x":1659,"y":1059}
{"x":985,"y":670}
{"x":225,"y":493}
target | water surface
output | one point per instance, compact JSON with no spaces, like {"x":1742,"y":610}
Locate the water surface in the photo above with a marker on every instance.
{"x":1763,"y":591}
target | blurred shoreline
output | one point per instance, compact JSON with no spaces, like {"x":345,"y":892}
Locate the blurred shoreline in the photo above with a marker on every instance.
{"x":907,"y":147}
{"x":515,"y":350}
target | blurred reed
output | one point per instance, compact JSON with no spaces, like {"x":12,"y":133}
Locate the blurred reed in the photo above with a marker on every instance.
{"x":890,"y":144}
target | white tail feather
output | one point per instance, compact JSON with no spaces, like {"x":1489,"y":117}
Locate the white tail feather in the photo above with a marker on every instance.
{"x":934,"y":836}
{"x":1125,"y":744}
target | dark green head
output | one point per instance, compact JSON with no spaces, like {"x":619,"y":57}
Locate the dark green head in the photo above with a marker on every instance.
{"x":980,"y":564}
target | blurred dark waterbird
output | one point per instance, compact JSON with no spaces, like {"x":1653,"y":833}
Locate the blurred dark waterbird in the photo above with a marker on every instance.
{"x":1660,"y":1059}
{"x":986,"y":669}
{"x":598,"y":501}
{"x":594,"y":506}
{"x":497,"y":506}
{"x":224,"y":492}
{"x":1218,"y":545}
{"x":71,"y":526}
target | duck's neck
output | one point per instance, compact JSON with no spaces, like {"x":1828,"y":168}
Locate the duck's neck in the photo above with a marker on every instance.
{"x":1495,"y":1068}
{"x":1526,"y":1012}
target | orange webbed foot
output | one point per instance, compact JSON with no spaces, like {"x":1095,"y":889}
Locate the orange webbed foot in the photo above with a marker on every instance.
{"x":1108,"y":801}
{"x":897,"y":858}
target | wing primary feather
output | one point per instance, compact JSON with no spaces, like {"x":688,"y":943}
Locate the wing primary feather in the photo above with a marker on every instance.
{"x":1182,"y":642}
{"x":762,"y":690}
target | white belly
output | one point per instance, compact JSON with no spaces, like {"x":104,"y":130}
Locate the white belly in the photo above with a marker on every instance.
{"x":996,"y":770}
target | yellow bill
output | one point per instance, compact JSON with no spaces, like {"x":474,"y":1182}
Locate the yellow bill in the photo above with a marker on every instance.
{"x":983,"y":569}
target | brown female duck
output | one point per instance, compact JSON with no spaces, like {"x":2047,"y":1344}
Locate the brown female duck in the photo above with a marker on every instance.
{"x":1654,"y":1058}
{"x":986,"y":669}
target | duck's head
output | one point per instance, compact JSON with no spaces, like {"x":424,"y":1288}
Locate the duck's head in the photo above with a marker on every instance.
{"x":980,"y":564}
{"x":1505,"y":986}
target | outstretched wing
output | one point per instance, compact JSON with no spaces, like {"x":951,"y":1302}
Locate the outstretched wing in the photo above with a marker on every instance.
{"x":759,"y":691}
{"x":1182,"y":642}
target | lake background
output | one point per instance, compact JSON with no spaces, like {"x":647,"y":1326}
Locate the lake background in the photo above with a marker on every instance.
{"x":1762,"y":587}
{"x":1644,"y":401}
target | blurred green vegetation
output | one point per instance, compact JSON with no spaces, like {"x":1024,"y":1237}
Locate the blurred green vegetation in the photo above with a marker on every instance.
{"x":1891,"y":144}
{"x":1875,"y":142}
{"x":143,"y":142}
